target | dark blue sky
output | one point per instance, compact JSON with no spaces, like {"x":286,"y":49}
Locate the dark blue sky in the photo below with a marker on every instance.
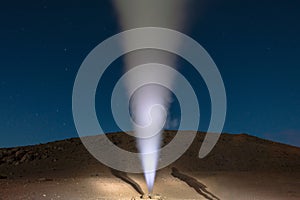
{"x":255,"y":44}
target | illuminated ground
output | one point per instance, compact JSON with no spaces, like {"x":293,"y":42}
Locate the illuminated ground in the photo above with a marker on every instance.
{"x":240,"y":167}
{"x":225,"y":185}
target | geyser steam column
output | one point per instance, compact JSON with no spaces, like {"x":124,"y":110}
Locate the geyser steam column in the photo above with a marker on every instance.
{"x":149,"y":104}
{"x":150,"y":79}
{"x":149,"y":111}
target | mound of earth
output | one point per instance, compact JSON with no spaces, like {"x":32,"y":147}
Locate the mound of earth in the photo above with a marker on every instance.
{"x":233,"y":152}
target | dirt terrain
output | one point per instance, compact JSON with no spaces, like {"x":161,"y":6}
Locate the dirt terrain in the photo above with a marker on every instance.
{"x":239,"y":167}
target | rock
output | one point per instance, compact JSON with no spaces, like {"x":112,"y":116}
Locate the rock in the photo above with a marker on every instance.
{"x":145,"y":196}
{"x":14,"y":150}
{"x":44,"y":156}
{"x":45,"y":179}
{"x":9,"y":160}
{"x":7,"y":152}
{"x":27,"y":157}
{"x":156,"y":196}
{"x":151,"y":196}
{"x":19,"y":154}
{"x":94,"y":175}
{"x":24,"y":158}
{"x":3,"y":177}
{"x":60,"y":148}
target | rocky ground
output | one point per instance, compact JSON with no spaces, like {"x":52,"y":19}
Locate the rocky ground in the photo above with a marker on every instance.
{"x":239,"y":167}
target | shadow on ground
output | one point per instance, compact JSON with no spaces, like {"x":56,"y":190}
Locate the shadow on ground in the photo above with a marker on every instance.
{"x":192,"y":182}
{"x":123,"y":176}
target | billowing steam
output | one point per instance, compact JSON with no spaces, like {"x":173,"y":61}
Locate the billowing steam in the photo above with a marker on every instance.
{"x":149,"y":104}
{"x":149,"y":112}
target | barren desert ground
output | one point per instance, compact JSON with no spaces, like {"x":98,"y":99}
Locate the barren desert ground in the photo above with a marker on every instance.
{"x":240,"y":167}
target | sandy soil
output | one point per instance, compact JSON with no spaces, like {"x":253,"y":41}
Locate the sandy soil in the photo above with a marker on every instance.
{"x":224,"y":185}
{"x":240,"y":167}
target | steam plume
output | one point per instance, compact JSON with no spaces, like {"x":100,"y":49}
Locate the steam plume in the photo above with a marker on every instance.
{"x":149,"y":105}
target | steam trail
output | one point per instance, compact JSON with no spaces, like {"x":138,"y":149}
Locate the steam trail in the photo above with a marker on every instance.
{"x":149,"y":106}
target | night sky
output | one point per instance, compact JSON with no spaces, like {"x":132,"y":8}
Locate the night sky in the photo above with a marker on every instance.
{"x":255,"y":44}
